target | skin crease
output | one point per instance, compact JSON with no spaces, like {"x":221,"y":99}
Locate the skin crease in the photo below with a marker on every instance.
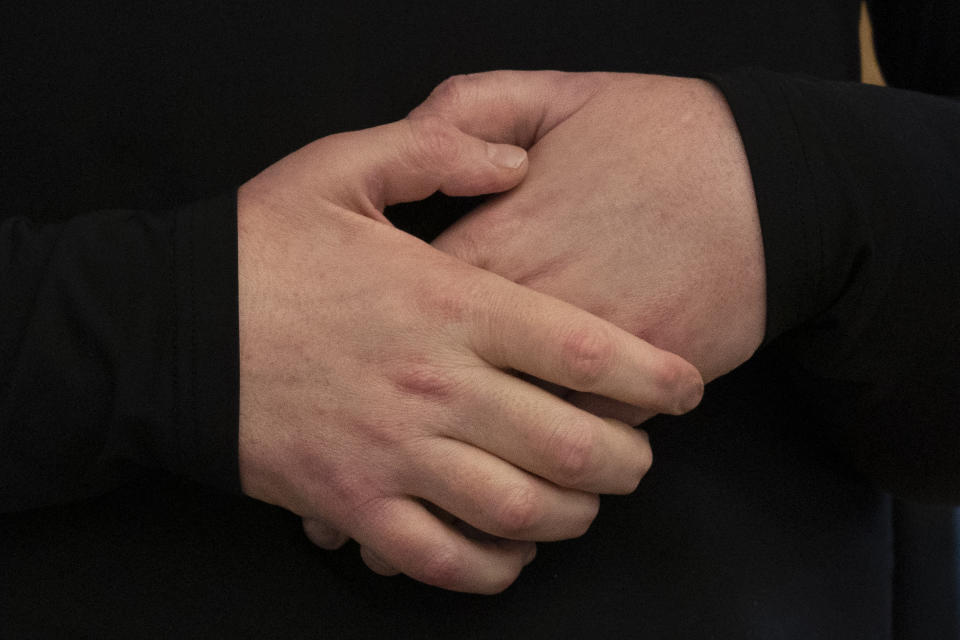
{"x":638,"y":207}
{"x":373,"y":380}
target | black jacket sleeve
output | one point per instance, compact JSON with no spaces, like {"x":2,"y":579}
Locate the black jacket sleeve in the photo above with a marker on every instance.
{"x":858,"y":189}
{"x":118,"y":351}
{"x":917,"y":44}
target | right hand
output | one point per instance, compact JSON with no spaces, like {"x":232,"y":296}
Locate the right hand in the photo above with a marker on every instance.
{"x":374,"y":369}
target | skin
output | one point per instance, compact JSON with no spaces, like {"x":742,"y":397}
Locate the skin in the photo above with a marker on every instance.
{"x":638,"y":207}
{"x":376,"y":386}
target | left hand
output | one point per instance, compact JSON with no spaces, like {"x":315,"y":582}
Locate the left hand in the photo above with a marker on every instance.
{"x":638,"y":206}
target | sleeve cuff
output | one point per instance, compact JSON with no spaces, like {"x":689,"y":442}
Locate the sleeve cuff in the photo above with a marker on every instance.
{"x":207,"y":336}
{"x":786,"y":195}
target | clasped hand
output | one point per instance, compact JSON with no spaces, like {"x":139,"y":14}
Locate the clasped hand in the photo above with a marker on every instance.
{"x":378,"y":391}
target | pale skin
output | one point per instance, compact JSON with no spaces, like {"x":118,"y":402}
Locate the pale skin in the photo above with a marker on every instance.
{"x":377,"y":386}
{"x":638,"y":207}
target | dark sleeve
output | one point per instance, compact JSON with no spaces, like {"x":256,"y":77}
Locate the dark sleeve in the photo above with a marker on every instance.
{"x":917,"y":44}
{"x":118,"y":351}
{"x":858,"y":190}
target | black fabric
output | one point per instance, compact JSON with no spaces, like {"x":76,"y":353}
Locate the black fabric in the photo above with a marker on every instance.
{"x":855,"y":186}
{"x":119,"y":348}
{"x":763,"y":516}
{"x":927,"y":571}
{"x":916,"y":44}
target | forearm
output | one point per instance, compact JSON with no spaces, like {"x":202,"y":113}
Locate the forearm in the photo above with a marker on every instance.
{"x":857,"y":189}
{"x":118,"y":351}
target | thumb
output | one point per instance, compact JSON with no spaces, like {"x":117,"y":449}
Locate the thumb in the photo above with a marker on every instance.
{"x":411,"y":159}
{"x":516,"y":107}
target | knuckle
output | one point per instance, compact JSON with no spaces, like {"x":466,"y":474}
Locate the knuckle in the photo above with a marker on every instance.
{"x":353,"y":484}
{"x":573,"y":450}
{"x":382,"y":433}
{"x":444,"y":568}
{"x":451,"y":92}
{"x":436,"y":143}
{"x":425,"y":381}
{"x":360,"y":495}
{"x":520,"y":512}
{"x":587,"y":356}
{"x":445,"y":302}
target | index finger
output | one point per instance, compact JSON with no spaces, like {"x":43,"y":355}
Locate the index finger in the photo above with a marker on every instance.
{"x":560,"y":343}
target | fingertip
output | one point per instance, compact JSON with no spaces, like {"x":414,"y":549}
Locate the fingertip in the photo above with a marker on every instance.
{"x":506,"y":156}
{"x":647,"y":459}
{"x":483,"y":167}
{"x":377,"y":564}
{"x":530,"y":555}
{"x":678,"y":383}
{"x":692,"y":393}
{"x":323,"y":535}
{"x":524,"y":550}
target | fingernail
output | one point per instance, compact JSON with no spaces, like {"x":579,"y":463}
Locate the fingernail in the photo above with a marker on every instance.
{"x":506,"y":155}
